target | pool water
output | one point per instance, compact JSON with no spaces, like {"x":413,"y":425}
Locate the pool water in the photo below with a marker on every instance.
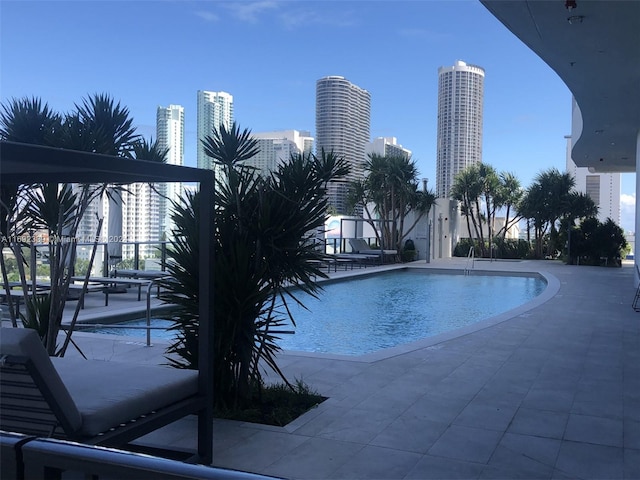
{"x":363,"y":315}
{"x":159,"y":331}
{"x":359,"y":316}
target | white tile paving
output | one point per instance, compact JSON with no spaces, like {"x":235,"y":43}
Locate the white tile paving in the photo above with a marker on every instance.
{"x":551,"y":390}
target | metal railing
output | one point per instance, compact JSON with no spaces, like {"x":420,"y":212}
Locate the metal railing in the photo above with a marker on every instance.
{"x":34,"y":458}
{"x":471,"y":258}
{"x":101,"y":265}
{"x":147,"y":327}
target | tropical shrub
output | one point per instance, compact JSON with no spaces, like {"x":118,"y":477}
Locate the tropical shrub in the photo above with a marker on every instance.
{"x":97,"y":125}
{"x":596,"y":243}
{"x":502,"y":248}
{"x":511,"y":248}
{"x":264,"y":231}
{"x":409,"y":251}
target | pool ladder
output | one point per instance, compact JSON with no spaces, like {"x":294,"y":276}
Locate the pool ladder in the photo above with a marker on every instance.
{"x":471,"y":259}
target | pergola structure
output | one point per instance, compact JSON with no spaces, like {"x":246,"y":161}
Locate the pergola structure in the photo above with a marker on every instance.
{"x":22,"y":164}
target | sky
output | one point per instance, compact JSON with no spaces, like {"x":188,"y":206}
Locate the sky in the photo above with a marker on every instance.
{"x":269,"y":55}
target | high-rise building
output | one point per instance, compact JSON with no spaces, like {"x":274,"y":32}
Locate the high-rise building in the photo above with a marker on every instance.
{"x":460,"y":104}
{"x":387,"y":147}
{"x":88,"y":226}
{"x":602,"y":188}
{"x":343,"y":119}
{"x":214,"y":109}
{"x":277,"y":148}
{"x":140,"y":220}
{"x":170,"y":135}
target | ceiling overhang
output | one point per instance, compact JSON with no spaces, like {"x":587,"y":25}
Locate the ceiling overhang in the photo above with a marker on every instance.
{"x":595,"y":50}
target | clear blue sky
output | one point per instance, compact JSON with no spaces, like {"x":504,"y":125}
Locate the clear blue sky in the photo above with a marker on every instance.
{"x":269,"y":54}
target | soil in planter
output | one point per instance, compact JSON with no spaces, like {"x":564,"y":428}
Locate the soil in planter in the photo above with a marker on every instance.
{"x":276,"y":405}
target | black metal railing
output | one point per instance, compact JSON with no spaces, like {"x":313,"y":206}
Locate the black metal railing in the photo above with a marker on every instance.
{"x":25,"y":457}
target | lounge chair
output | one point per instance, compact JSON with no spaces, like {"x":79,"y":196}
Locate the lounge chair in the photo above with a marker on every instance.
{"x":90,"y":401}
{"x":360,"y":246}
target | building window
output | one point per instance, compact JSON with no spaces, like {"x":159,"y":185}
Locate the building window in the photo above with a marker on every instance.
{"x":593,"y":188}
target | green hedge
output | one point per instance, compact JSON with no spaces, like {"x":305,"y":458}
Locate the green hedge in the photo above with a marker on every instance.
{"x":506,"y":249}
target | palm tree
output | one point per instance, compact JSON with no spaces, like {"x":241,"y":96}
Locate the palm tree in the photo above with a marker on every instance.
{"x":492,"y":194}
{"x":545,"y":202}
{"x":557,"y":187}
{"x":511,"y":194}
{"x":391,"y":186}
{"x":467,"y":188}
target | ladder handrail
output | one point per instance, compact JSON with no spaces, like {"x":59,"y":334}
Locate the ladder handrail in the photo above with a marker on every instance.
{"x":470,"y":256}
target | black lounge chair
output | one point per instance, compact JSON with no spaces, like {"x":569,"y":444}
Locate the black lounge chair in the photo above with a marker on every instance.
{"x":360,"y":246}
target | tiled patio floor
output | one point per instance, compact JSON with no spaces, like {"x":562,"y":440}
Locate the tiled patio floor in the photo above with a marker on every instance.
{"x":547,"y":392}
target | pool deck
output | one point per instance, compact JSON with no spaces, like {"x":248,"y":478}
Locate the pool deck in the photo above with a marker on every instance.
{"x":549,"y":390}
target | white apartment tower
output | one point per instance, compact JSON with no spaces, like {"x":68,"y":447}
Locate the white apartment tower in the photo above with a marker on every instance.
{"x":214,"y":109}
{"x":343,"y":119}
{"x":387,"y":147}
{"x":603,"y":188}
{"x":170,"y":135}
{"x":140,"y":220}
{"x":459,"y":136}
{"x":276,"y":148}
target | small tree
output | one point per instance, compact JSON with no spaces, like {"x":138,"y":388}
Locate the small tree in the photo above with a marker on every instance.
{"x":593,"y":242}
{"x":49,"y":207}
{"x":97,"y":125}
{"x":263,"y":245}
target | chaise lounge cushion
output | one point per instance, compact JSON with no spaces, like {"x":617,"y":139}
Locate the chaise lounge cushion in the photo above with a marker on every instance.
{"x":109,"y":393}
{"x":24,"y":342}
{"x":359,"y":245}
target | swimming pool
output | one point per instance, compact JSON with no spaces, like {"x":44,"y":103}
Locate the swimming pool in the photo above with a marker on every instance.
{"x":367,"y":314}
{"x":359,"y":316}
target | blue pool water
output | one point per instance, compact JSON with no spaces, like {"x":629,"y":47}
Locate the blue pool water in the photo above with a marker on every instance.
{"x":159,"y":331}
{"x":363,"y":315}
{"x":360,"y":316}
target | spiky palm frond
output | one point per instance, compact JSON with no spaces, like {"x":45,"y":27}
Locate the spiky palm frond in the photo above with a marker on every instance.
{"x":229,"y":147}
{"x":150,"y":150}
{"x":107,"y":124}
{"x":28,"y":120}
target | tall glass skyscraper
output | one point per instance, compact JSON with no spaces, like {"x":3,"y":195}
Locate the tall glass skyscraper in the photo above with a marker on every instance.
{"x":343,"y":120}
{"x":170,"y":135}
{"x":460,"y":104}
{"x":214,"y":109}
